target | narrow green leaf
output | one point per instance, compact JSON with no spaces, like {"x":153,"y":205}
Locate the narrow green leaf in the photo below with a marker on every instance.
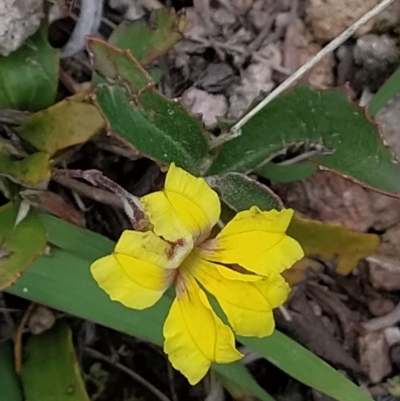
{"x":157,"y":127}
{"x":31,"y":172}
{"x":240,"y":192}
{"x":304,"y":366}
{"x":67,"y":123}
{"x":325,"y":122}
{"x":29,"y":76}
{"x":50,"y":370}
{"x":388,"y":91}
{"x":149,"y":39}
{"x":78,"y":241}
{"x":19,"y":245}
{"x":62,"y":280}
{"x":9,"y":387}
{"x":239,"y":382}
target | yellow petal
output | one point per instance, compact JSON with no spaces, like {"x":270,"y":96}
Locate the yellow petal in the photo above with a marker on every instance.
{"x":187,"y":207}
{"x":257,"y":241}
{"x":247,"y":304}
{"x":194,"y":335}
{"x":149,"y":247}
{"x":134,"y":274}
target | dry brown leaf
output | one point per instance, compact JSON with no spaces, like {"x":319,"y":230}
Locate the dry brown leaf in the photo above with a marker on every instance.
{"x":330,"y":240}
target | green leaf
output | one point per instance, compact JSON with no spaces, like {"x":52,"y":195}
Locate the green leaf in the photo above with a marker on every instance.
{"x":115,"y":65}
{"x":239,"y":383}
{"x":20,"y":244}
{"x":9,"y":387}
{"x":157,"y":127}
{"x":63,"y":281}
{"x":293,"y":172}
{"x":304,"y":366}
{"x":135,"y":111}
{"x":67,"y":123}
{"x":33,"y":171}
{"x":50,"y":370}
{"x":8,"y":188}
{"x":388,"y":91}
{"x":326,"y":122}
{"x":240,"y":192}
{"x":147,"y":40}
{"x":29,"y":76}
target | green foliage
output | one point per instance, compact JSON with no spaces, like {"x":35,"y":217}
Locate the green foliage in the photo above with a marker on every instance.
{"x":240,"y":192}
{"x":50,"y":370}
{"x":67,"y":123}
{"x":388,"y":91}
{"x":20,"y":243}
{"x":321,"y":121}
{"x":9,"y":386}
{"x":32,"y":171}
{"x":310,"y":128}
{"x":63,"y":281}
{"x":148,"y":40}
{"x":154,"y":125}
{"x":29,"y":76}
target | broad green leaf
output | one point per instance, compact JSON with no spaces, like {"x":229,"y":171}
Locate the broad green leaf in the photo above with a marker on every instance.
{"x":63,"y":281}
{"x":157,"y":127}
{"x":304,"y":366}
{"x":67,"y":123}
{"x":240,"y":192}
{"x":29,"y":76}
{"x":388,"y":91}
{"x":20,"y":244}
{"x":33,"y":171}
{"x":50,"y":370}
{"x":325,"y":121}
{"x":147,"y":40}
{"x":293,"y":172}
{"x":329,"y":240}
{"x":116,"y":65}
{"x":136,"y":112}
{"x":9,"y":386}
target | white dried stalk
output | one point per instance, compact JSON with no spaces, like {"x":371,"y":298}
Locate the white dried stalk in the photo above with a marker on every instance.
{"x":236,"y":129}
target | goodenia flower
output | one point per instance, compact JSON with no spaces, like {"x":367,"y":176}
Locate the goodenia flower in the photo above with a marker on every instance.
{"x":240,"y":267}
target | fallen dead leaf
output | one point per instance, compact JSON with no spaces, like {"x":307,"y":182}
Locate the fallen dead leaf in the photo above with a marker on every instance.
{"x":329,"y":240}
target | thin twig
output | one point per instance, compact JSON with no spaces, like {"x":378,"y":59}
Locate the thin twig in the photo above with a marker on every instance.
{"x":98,"y":355}
{"x":132,"y":206}
{"x":236,"y":129}
{"x":18,"y":338}
{"x":97,"y":194}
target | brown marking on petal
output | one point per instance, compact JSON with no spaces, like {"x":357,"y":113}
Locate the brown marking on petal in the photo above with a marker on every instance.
{"x":174,"y":246}
{"x":180,"y":285}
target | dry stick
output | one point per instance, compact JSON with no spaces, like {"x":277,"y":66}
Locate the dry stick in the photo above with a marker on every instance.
{"x":97,"y":194}
{"x":18,"y":338}
{"x":98,"y":355}
{"x":236,"y":129}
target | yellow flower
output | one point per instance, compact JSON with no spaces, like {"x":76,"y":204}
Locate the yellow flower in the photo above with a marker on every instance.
{"x":177,"y":250}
